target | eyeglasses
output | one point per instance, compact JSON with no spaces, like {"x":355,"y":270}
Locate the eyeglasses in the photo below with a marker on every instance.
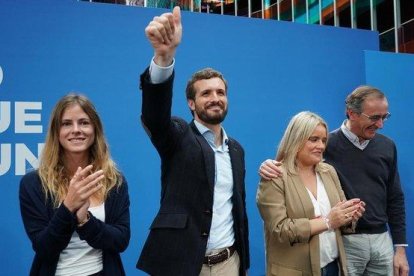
{"x":376,"y":118}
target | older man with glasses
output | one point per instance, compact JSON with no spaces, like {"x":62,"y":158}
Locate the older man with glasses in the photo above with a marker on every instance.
{"x":366,"y":163}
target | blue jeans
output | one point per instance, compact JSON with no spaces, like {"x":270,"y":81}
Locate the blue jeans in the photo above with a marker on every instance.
{"x":369,"y":254}
{"x":330,"y":269}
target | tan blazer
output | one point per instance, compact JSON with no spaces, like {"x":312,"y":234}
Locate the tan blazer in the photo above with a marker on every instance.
{"x":286,"y":208}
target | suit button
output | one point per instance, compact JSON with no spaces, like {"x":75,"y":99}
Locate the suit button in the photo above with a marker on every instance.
{"x":207,"y":212}
{"x":204,"y":234}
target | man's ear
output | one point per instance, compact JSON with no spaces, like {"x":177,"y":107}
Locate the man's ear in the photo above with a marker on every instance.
{"x":351,"y":114}
{"x":191,"y":104}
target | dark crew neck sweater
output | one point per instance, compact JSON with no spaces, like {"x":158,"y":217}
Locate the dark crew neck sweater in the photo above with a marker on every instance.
{"x":371,"y":175}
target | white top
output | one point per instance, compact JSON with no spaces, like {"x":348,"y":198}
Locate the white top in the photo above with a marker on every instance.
{"x":328,"y":247}
{"x":78,"y":258}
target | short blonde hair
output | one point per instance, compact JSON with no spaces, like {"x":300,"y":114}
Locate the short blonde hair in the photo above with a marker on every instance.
{"x":298,"y":131}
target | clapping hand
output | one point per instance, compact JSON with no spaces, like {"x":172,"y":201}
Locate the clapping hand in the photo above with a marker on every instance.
{"x":346,"y":211}
{"x":81,"y":187}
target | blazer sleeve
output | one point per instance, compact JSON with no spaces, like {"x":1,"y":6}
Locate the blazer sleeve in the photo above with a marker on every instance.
{"x":113,"y":234}
{"x":245,"y":218}
{"x":246,"y":232}
{"x":156,"y":104}
{"x":271,"y":202}
{"x":49,"y":230}
{"x":156,"y":118}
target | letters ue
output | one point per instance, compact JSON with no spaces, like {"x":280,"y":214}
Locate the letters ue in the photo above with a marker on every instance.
{"x":27,"y":121}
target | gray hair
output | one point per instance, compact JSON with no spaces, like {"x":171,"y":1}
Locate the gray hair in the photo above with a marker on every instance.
{"x":357,"y":97}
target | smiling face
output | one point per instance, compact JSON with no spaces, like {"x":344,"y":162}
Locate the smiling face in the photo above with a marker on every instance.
{"x":361,"y":125}
{"x":76,"y":133}
{"x":311,"y":152}
{"x":210,"y":103}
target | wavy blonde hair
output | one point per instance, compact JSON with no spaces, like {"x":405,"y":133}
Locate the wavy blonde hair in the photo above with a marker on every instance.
{"x":300,"y":128}
{"x":53,"y":174}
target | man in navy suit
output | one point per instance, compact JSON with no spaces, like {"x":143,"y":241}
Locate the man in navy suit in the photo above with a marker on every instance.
{"x":201,"y":227}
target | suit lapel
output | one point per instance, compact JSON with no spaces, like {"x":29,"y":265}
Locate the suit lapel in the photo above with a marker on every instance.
{"x":208,"y":155}
{"x":236,"y":166}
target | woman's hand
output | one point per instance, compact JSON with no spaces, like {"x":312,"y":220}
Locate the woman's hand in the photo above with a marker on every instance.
{"x":81,"y":187}
{"x":359,"y":212}
{"x":345,"y":211}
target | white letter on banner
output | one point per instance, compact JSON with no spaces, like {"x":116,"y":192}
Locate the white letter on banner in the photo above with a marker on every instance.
{"x":5,"y":158}
{"x":4,"y":116}
{"x":1,"y":75}
{"x":23,"y":154}
{"x":22,"y":117}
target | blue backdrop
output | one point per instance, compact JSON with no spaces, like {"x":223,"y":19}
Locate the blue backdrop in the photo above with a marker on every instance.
{"x":274,"y":70}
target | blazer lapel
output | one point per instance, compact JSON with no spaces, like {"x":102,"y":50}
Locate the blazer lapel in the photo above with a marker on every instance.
{"x":306,"y":201}
{"x":236,"y":166}
{"x":208,"y":154}
{"x":329,"y":187}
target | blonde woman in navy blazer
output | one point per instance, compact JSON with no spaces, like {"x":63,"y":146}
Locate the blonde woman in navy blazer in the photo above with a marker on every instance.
{"x":75,"y":207}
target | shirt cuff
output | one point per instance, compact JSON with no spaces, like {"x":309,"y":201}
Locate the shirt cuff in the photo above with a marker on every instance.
{"x":160,"y":74}
{"x":403,"y":245}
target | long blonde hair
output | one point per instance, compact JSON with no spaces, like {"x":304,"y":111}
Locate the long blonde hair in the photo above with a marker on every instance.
{"x":53,"y":174}
{"x":300,"y":128}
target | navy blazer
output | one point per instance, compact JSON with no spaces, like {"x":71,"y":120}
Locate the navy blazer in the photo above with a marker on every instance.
{"x":50,"y":229}
{"x":178,"y":236}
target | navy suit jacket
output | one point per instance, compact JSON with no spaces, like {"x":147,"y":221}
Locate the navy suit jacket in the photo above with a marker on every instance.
{"x":178,"y":236}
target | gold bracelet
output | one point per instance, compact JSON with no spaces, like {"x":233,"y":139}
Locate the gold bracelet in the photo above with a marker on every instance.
{"x":80,"y":224}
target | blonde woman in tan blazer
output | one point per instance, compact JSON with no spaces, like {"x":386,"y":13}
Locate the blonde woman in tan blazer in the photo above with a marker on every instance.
{"x":304,"y":208}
